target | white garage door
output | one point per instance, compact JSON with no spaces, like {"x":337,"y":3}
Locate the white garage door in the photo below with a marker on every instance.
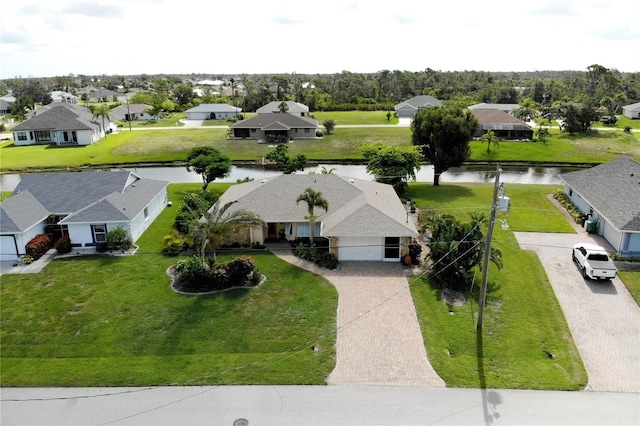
{"x":8,"y":249}
{"x":360,"y":248}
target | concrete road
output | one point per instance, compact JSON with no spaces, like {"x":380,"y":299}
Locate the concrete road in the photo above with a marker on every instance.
{"x":313,"y":405}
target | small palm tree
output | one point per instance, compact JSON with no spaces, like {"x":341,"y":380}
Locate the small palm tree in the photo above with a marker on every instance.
{"x":216,"y":223}
{"x":283,"y":107}
{"x":326,"y":171}
{"x":102,"y":111}
{"x":490,"y":138}
{"x":313,"y":199}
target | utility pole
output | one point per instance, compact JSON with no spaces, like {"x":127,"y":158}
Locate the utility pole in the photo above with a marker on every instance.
{"x":487,"y":250}
{"x":129,"y":113}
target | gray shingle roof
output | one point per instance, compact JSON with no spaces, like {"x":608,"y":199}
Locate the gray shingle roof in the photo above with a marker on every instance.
{"x":501,"y":107}
{"x":286,"y":121}
{"x":59,"y":116}
{"x":632,"y":107}
{"x":91,"y":196}
{"x":214,"y":108}
{"x":420,"y":101}
{"x":356,"y":207}
{"x":612,"y":189}
{"x":130,"y":109}
{"x":21,"y":212}
{"x":294,"y":107}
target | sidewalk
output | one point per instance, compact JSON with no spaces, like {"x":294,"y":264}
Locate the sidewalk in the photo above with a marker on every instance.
{"x":31,"y":268}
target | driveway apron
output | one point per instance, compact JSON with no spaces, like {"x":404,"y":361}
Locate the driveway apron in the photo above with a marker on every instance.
{"x":379,"y":341}
{"x":603,"y":317}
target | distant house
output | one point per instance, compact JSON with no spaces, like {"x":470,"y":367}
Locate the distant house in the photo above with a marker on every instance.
{"x":275,"y":127}
{"x":503,"y":125}
{"x":84,"y":206}
{"x":366,"y":221}
{"x":506,"y":108}
{"x":212,"y":112}
{"x":59,"y":123}
{"x":609,"y":194}
{"x":93,"y":94}
{"x":60,"y":96}
{"x":131,"y":112}
{"x":631,"y":111}
{"x":6,"y":104}
{"x":411,"y":107}
{"x":294,"y":108}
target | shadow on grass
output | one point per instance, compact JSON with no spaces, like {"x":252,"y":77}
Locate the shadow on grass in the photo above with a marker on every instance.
{"x":490,"y":399}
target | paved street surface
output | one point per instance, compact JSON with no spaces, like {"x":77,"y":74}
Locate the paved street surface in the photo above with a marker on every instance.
{"x":603,"y":317}
{"x":312,"y":405}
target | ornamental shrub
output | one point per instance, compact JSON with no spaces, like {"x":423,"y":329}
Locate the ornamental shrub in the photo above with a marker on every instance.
{"x":193,"y":275}
{"x":240,"y":270}
{"x":38,"y":246}
{"x":118,"y":239}
{"x":63,"y":245}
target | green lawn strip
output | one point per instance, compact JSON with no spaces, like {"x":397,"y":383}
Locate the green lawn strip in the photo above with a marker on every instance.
{"x":115,"y":321}
{"x":355,"y":117}
{"x":631,"y":280}
{"x":527,"y":343}
{"x":173,"y":120}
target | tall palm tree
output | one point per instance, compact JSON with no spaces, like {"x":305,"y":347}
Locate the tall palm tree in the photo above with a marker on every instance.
{"x":218,"y":222}
{"x":102,"y":111}
{"x":313,"y":199}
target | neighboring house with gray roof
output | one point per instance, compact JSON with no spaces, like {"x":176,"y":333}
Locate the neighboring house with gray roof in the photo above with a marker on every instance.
{"x":366,"y":220}
{"x":275,"y":127}
{"x":131,"y":112}
{"x":212,"y":112}
{"x":503,"y":125}
{"x":610,"y":195}
{"x":506,"y":108}
{"x":94,"y":94}
{"x":631,"y":111}
{"x":61,"y":96}
{"x":59,"y":123}
{"x":82,"y":205}
{"x":409,"y":108}
{"x":294,"y":108}
{"x":6,"y":103}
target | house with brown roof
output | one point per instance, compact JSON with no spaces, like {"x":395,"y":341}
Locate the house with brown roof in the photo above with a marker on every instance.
{"x":503,"y":125}
{"x":275,"y":127}
{"x":609,"y":195}
{"x":365,"y":221}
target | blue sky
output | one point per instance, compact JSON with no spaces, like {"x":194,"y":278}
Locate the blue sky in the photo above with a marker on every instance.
{"x":59,"y":37}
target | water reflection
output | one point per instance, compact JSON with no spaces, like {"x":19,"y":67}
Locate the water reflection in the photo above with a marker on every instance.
{"x":481,"y":174}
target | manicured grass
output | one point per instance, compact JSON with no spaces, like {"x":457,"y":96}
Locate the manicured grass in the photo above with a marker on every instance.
{"x":526,"y":342}
{"x":172,"y":120}
{"x":625,"y":121}
{"x":632,"y":281}
{"x":355,"y":117}
{"x":113,"y":321}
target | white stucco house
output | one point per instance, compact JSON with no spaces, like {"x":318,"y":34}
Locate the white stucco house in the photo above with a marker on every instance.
{"x":293,"y":108}
{"x":212,"y":112}
{"x":60,"y":123}
{"x":366,"y":221}
{"x":410,"y":107}
{"x":83,"y":205}
{"x":275,"y":127}
{"x":631,"y":111}
{"x":131,"y":112}
{"x":609,"y":194}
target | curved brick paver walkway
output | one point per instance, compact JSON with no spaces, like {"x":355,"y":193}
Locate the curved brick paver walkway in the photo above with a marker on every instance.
{"x":379,"y":340}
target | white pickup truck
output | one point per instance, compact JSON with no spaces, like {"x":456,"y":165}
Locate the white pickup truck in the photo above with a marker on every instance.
{"x":594,"y":262}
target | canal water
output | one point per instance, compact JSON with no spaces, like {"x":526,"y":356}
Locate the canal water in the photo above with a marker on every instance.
{"x":481,"y":174}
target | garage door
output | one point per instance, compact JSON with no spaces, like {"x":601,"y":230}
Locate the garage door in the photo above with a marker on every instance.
{"x":360,"y":248}
{"x":8,"y":250}
{"x":405,"y":113}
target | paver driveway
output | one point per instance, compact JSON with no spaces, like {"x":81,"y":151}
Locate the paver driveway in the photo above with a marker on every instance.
{"x":379,"y":341}
{"x":603,"y":317}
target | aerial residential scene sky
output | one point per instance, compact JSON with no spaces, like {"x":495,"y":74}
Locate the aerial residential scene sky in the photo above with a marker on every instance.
{"x":41,"y":38}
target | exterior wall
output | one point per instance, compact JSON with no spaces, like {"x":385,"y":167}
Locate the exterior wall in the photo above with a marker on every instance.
{"x":21,"y":240}
{"x":140,"y":223}
{"x":612,"y":235}
{"x":577,"y":200}
{"x":206,"y":115}
{"x":83,"y":137}
{"x":629,"y":113}
{"x":197,"y":115}
{"x":631,"y":243}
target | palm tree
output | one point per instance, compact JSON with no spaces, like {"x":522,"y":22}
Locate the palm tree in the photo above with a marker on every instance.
{"x":283,"y":107}
{"x":102,"y":111}
{"x":490,"y":138}
{"x":313,"y":199}
{"x":216,"y":223}
{"x":326,"y":171}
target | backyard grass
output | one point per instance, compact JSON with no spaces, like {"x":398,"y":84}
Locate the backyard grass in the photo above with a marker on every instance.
{"x":355,"y":117}
{"x":173,"y":120}
{"x":526,"y":342}
{"x":632,"y":281}
{"x":113,"y":321}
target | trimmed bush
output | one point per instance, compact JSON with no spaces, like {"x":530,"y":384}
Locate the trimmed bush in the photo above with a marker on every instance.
{"x":571,"y":208}
{"x":118,"y":239}
{"x":63,"y":245}
{"x":193,"y":276}
{"x":38,"y":246}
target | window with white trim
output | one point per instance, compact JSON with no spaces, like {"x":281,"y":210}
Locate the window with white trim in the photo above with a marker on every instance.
{"x":99,"y":233}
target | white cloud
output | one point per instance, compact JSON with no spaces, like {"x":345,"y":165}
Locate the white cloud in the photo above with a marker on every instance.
{"x":45,"y":38}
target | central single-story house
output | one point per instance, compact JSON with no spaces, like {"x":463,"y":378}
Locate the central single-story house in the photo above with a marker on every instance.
{"x":60,"y":96}
{"x":60,"y":123}
{"x":275,"y":127}
{"x":609,"y":194}
{"x":631,"y":111}
{"x":366,"y":221}
{"x":503,"y":125}
{"x":295,"y":108}
{"x":212,"y":112}
{"x":83,"y":205}
{"x":506,"y":108}
{"x":131,"y":112}
{"x":409,"y":108}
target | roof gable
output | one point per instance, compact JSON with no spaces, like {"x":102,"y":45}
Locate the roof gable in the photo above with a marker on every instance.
{"x":59,"y":116}
{"x":421,"y":101}
{"x":293,"y":107}
{"x":20,"y":212}
{"x":612,"y":189}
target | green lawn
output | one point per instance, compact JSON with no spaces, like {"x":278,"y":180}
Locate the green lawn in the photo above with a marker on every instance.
{"x":355,"y":117}
{"x":632,"y":281}
{"x":523,"y":322}
{"x":173,"y":120}
{"x":109,"y":321}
